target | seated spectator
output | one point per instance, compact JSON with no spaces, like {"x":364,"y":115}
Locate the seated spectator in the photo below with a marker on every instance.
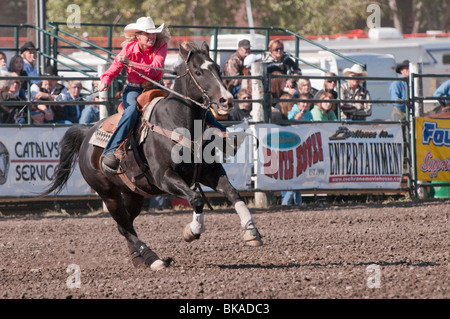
{"x":300,"y":111}
{"x":304,"y":87}
{"x":353,"y":90}
{"x":443,"y":91}
{"x":242,"y":111}
{"x":16,"y":66}
{"x":234,"y":66}
{"x":72,"y":113}
{"x":278,"y":60}
{"x":329,"y":85}
{"x":29,"y":54}
{"x":9,"y":91}
{"x":282,"y":108}
{"x":277,"y":86}
{"x":322,"y":111}
{"x":47,"y":90}
{"x":292,"y":88}
{"x":168,"y":83}
{"x":91,"y":112}
{"x":3,"y":63}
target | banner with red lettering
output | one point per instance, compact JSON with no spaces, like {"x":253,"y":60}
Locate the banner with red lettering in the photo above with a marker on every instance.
{"x":28,"y":157}
{"x":433,"y":149}
{"x":329,"y":156}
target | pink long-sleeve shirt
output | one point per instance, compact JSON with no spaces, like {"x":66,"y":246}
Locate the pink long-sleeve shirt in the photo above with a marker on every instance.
{"x":151,"y":57}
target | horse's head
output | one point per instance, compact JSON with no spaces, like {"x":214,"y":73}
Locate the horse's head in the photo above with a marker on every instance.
{"x":203,"y":81}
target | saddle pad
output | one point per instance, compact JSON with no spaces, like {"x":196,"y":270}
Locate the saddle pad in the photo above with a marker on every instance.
{"x":100,"y":137}
{"x":146,"y":115}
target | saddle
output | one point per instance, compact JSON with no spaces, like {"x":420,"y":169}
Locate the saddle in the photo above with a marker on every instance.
{"x":143,"y":102}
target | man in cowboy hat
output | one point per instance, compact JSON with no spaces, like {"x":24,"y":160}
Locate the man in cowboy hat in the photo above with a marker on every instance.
{"x":353,"y":90}
{"x":234,"y":66}
{"x":28,"y":53}
{"x":397,"y":91}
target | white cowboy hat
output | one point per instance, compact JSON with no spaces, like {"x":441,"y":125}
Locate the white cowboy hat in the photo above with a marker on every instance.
{"x":356,"y":69}
{"x":144,"y":24}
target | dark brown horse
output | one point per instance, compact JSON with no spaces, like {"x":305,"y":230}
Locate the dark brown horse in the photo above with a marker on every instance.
{"x":168,"y":162}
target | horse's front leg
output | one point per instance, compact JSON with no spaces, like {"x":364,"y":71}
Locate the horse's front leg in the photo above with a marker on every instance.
{"x":220,"y":183}
{"x":175,"y":185}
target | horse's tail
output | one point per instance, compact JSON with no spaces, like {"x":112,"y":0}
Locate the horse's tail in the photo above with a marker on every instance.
{"x":69,"y":147}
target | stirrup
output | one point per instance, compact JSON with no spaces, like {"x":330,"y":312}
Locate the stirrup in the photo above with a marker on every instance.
{"x":109,"y":170}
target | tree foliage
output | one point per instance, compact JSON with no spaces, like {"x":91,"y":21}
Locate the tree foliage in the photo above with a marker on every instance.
{"x":304,"y":17}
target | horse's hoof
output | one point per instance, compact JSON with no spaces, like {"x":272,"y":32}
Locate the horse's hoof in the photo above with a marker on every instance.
{"x":138,"y":261}
{"x":252,"y":238}
{"x":158,"y":265}
{"x":188,"y":235}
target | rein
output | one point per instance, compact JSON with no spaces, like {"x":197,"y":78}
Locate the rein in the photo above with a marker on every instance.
{"x":206,"y":99}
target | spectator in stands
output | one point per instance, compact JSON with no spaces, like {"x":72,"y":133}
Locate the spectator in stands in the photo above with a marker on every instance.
{"x":278,"y":60}
{"x":322,"y":111}
{"x":277,"y":86}
{"x":3,"y":63}
{"x":72,"y":113}
{"x":291,"y":87}
{"x":242,"y":111}
{"x":10,"y":91}
{"x":301,"y":110}
{"x":168,"y":83}
{"x":282,"y":108}
{"x":329,"y":85}
{"x":91,"y":112}
{"x":48,"y":90}
{"x":16,"y":66}
{"x":353,"y":90}
{"x":397,"y":91}
{"x":293,"y":197}
{"x":29,"y":54}
{"x":443,"y":91}
{"x":234,"y":66}
{"x":304,"y":87}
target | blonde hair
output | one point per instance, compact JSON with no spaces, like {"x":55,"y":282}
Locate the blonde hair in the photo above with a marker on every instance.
{"x":75,"y":82}
{"x":274,"y":43}
{"x":163,"y":36}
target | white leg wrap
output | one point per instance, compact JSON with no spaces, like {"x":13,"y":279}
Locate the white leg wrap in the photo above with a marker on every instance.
{"x":198,"y":224}
{"x":244,"y":213}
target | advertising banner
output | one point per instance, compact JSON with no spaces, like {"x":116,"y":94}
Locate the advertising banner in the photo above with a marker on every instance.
{"x":433,"y":149}
{"x":329,"y":156}
{"x":28,"y":157}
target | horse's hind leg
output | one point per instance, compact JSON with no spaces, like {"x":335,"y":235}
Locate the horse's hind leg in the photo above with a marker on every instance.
{"x":124,"y":212}
{"x":221,"y":184}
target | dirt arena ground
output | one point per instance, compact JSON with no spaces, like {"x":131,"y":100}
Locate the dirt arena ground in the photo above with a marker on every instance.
{"x":354,"y":251}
